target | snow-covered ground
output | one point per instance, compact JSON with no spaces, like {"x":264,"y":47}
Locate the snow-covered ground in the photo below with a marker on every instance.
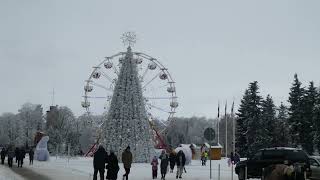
{"x":8,"y":174}
{"x":81,"y":169}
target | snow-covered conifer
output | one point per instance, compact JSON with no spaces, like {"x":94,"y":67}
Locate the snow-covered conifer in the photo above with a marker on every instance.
{"x":126,"y":121}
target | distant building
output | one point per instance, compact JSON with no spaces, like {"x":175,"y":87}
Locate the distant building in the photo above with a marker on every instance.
{"x":51,"y":116}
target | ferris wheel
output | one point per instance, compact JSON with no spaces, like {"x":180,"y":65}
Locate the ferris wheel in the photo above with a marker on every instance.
{"x":159,"y":91}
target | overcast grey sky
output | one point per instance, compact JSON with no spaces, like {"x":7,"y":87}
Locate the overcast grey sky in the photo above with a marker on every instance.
{"x":212,"y":48}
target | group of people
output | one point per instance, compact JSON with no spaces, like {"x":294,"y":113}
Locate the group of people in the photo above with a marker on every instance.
{"x":173,"y":159}
{"x":102,"y":160}
{"x":18,"y":153}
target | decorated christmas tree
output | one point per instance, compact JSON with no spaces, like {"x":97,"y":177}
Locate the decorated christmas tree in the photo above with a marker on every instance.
{"x":126,"y":121}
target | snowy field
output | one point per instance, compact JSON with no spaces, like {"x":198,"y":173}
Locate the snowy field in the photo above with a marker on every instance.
{"x":81,"y":169}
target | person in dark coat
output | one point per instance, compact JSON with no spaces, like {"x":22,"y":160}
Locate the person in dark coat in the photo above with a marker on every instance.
{"x":181,"y":161}
{"x":31,"y":156}
{"x":99,"y":160}
{"x":236,"y":158}
{"x":127,"y":161}
{"x":3,"y":155}
{"x":172,"y":160}
{"x":164,"y":164}
{"x":11,"y":155}
{"x":16,"y":151}
{"x":232,"y":157}
{"x":112,"y":167}
{"x":20,"y":156}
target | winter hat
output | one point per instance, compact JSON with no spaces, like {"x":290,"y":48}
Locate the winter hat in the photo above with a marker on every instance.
{"x":128,"y":148}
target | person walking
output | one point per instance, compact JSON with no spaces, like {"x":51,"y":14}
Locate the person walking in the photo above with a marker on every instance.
{"x":31,"y":156}
{"x":232,"y":158}
{"x":172,"y":160}
{"x":20,"y":156}
{"x":112,"y":167}
{"x":236,"y":158}
{"x":164,"y":164}
{"x":99,"y":160}
{"x":205,"y":157}
{"x":11,"y":155}
{"x":16,"y":151}
{"x":181,"y":161}
{"x":127,"y":161}
{"x":154,"y":164}
{"x":3,"y":155}
{"x":203,"y":160}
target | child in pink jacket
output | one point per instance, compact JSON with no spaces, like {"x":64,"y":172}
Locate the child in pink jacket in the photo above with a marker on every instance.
{"x":154,"y":164}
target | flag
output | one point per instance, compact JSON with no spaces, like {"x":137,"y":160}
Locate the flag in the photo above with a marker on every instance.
{"x":226,"y":128}
{"x":232,"y":107}
{"x":218,"y":110}
{"x":225,"y":110}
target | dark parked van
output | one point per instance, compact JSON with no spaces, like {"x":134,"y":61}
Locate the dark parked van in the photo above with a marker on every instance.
{"x":269,"y":156}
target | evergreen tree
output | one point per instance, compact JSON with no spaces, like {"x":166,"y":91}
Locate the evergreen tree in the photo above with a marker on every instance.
{"x":126,"y":121}
{"x":307,"y":128}
{"x":316,"y":120}
{"x":268,"y":119}
{"x":241,"y":127}
{"x":295,"y":111}
{"x":282,"y":130}
{"x":249,"y":126}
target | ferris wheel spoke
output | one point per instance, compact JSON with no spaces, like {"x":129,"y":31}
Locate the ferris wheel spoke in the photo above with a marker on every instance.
{"x":144,"y":74}
{"x":106,"y":76}
{"x":101,"y":86}
{"x":116,"y":70}
{"x":95,"y":97}
{"x":158,"y":108}
{"x":162,"y":122}
{"x":159,"y":97}
{"x":151,"y":80}
{"x":162,"y":86}
{"x":165,"y":85}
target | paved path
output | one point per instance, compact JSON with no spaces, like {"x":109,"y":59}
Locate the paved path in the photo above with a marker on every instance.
{"x":29,"y":174}
{"x":6,"y":173}
{"x":38,"y":172}
{"x":81,"y":169}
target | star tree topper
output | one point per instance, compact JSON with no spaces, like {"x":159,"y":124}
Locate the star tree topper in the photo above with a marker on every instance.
{"x":129,"y":38}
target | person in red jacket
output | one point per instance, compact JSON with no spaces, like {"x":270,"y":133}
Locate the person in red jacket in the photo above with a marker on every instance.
{"x":154,"y":164}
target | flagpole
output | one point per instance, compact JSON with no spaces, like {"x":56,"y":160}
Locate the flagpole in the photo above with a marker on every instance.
{"x":233,"y":129}
{"x":226,"y":137}
{"x":218,"y":123}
